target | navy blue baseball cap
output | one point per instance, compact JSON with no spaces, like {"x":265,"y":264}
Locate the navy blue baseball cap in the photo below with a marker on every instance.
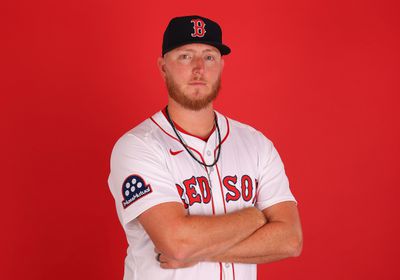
{"x":193,"y":29}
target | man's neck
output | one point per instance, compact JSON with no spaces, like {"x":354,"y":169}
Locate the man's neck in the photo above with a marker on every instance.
{"x":199,"y":123}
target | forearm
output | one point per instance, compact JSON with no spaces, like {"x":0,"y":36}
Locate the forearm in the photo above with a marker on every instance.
{"x":279,"y":238}
{"x":183,"y":237}
{"x":272,"y":242}
{"x":206,"y":236}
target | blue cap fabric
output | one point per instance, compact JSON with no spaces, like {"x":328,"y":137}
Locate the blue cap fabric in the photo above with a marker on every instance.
{"x":193,"y":29}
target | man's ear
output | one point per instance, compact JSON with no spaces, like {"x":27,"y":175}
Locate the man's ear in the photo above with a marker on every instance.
{"x":161,"y":66}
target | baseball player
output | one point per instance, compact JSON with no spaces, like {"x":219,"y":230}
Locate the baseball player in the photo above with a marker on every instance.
{"x":199,"y":195}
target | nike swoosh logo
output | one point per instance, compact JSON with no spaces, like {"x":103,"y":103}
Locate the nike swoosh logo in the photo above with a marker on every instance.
{"x":174,"y":153}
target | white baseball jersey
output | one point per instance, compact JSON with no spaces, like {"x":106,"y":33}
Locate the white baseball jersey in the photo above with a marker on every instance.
{"x":150,"y":166}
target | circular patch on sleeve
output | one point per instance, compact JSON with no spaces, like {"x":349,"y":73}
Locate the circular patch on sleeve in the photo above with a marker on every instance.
{"x":133,"y":188}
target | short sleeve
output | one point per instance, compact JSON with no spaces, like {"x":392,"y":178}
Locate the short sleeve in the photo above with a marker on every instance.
{"x":138,"y":178}
{"x":273,"y":184}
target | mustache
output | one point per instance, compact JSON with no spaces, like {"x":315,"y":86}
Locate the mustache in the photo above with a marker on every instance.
{"x":198,"y":79}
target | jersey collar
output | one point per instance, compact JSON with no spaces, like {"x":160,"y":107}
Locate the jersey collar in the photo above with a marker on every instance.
{"x":181,"y":130}
{"x":162,"y":122}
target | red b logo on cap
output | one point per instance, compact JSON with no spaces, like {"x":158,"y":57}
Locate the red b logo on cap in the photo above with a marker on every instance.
{"x":198,"y":26}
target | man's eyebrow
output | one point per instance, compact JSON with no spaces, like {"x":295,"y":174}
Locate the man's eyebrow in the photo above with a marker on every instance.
{"x":210,"y":50}
{"x":192,"y":50}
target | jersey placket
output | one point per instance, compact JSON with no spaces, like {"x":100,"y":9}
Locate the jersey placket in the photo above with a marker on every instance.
{"x":212,"y":173}
{"x":208,"y":152}
{"x":218,"y":194}
{"x":227,"y":271}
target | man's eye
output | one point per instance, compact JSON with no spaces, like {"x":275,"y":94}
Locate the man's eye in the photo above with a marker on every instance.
{"x":184,"y":56}
{"x":210,"y":57}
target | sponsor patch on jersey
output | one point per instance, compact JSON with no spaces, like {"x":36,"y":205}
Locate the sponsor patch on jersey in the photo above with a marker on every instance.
{"x":133,"y":188}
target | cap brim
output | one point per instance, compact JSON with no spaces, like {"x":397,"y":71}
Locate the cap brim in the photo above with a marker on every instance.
{"x":223,"y":49}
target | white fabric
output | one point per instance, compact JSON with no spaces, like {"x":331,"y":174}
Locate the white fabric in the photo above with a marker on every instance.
{"x":249,"y":169}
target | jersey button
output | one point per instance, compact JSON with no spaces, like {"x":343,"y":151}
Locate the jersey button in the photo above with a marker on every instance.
{"x":227,"y":265}
{"x":208,"y":153}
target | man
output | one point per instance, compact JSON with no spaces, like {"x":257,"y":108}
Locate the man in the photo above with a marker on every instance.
{"x":200,"y":196}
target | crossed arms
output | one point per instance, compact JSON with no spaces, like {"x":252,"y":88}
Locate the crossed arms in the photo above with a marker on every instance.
{"x":246,"y":236}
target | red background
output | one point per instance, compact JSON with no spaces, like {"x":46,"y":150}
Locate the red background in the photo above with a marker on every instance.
{"x":319,"y":78}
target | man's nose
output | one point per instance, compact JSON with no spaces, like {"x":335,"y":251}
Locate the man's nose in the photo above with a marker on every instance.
{"x":198,"y":65}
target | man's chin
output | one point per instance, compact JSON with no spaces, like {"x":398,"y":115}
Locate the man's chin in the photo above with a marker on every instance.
{"x":194,"y":105}
{"x":198,"y":91}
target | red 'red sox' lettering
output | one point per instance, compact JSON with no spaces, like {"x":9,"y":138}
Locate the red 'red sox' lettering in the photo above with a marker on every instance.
{"x":191,"y":192}
{"x":182,"y":194}
{"x":190,"y":195}
{"x":197,"y":190}
{"x":247,"y":188}
{"x":233,"y":193}
{"x":205,"y":190}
